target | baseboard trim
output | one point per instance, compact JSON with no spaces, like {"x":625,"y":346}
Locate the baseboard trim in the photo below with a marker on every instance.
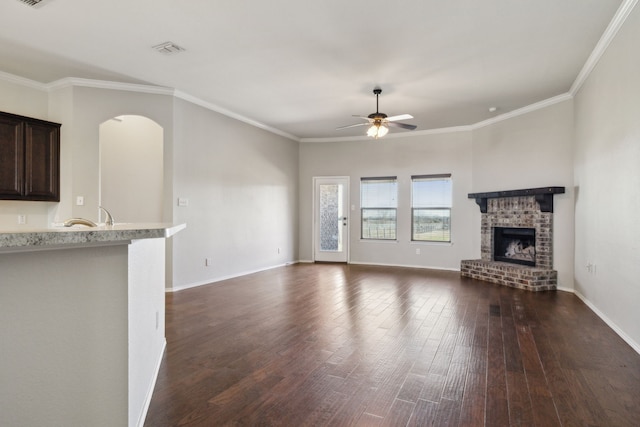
{"x":220,"y":279}
{"x":634,"y":345}
{"x":424,"y":267}
{"x":152,"y":386}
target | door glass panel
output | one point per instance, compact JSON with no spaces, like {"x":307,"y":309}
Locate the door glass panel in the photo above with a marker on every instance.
{"x":331,"y":212}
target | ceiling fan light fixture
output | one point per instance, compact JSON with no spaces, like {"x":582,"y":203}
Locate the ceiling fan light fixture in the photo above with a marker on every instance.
{"x":379,"y":122}
{"x":377,"y":130}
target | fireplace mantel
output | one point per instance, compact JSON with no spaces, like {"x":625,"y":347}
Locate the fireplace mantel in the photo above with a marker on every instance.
{"x":543,"y":195}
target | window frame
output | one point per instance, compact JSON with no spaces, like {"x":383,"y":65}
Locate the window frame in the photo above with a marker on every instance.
{"x":363,"y":208}
{"x":449,"y":208}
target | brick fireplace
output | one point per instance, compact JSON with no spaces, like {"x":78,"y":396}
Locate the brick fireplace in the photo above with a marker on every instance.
{"x":524,"y":219}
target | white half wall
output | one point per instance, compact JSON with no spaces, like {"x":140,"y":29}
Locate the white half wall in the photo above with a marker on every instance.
{"x":64,"y":337}
{"x":146,"y":316}
{"x":607,"y":184}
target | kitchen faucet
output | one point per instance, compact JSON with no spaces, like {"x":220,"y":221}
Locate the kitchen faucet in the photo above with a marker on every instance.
{"x":109,"y":220}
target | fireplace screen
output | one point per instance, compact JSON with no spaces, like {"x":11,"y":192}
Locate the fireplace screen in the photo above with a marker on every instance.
{"x":515,"y":245}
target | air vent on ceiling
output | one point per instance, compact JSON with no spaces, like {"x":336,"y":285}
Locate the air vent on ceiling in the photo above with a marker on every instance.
{"x":33,"y":3}
{"x":169,"y":48}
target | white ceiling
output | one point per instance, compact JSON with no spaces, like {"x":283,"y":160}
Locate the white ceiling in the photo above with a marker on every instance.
{"x":305,"y":67}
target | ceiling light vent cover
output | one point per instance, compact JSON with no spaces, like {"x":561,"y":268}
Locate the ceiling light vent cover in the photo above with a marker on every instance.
{"x":169,"y":48}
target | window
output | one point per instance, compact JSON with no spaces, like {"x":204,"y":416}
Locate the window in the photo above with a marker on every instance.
{"x":378,"y":204}
{"x":431,"y":208}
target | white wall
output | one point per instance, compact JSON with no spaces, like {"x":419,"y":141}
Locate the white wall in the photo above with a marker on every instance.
{"x":401,"y":157}
{"x":241,"y":184}
{"x":530,"y":151}
{"x":23,"y":99}
{"x":131,"y":169}
{"x":91,"y":107}
{"x":527,"y":151}
{"x":607,"y":182}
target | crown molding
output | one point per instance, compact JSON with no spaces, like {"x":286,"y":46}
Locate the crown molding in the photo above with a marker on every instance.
{"x":524,"y":110}
{"x":216,"y":108}
{"x":12,"y":78}
{"x":105,"y":84}
{"x":601,"y":47}
{"x":139,"y":88}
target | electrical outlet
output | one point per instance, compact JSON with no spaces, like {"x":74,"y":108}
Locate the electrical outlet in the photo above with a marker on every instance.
{"x":80,"y":201}
{"x":22,"y":219}
{"x":417,"y":251}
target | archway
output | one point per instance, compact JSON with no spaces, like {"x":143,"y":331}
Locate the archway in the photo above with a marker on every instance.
{"x":131,"y":169}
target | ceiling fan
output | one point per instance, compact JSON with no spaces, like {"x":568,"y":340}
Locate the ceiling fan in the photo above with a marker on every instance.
{"x":379,"y":122}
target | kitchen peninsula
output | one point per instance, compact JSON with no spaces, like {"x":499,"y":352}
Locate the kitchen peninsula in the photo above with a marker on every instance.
{"x":81,"y":323}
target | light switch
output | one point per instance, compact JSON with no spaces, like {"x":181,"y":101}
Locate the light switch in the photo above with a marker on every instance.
{"x":183,"y":202}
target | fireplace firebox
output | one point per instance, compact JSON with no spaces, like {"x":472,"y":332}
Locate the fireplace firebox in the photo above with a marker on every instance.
{"x":515,"y":245}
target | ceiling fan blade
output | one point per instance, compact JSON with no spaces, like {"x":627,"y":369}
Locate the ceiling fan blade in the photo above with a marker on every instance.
{"x":400,"y":117}
{"x":402,"y":125}
{"x":352,"y":126}
{"x":360,"y":117}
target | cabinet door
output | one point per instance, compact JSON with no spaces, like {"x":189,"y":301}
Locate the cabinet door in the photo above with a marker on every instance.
{"x":11,"y":157}
{"x":42,"y":162}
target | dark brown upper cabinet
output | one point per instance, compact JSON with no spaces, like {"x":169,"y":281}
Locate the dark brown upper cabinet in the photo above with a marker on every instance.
{"x":29,"y":159}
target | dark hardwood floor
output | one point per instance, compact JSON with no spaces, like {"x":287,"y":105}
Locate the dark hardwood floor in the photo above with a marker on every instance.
{"x":340,"y":345}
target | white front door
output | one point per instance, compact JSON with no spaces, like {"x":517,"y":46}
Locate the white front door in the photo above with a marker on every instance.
{"x":330,"y":219}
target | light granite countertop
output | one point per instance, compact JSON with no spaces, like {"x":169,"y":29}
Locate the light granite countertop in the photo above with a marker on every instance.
{"x":12,"y":239}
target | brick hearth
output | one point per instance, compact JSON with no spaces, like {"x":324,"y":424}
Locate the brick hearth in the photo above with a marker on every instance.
{"x":531,"y":208}
{"x":512,"y":275}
